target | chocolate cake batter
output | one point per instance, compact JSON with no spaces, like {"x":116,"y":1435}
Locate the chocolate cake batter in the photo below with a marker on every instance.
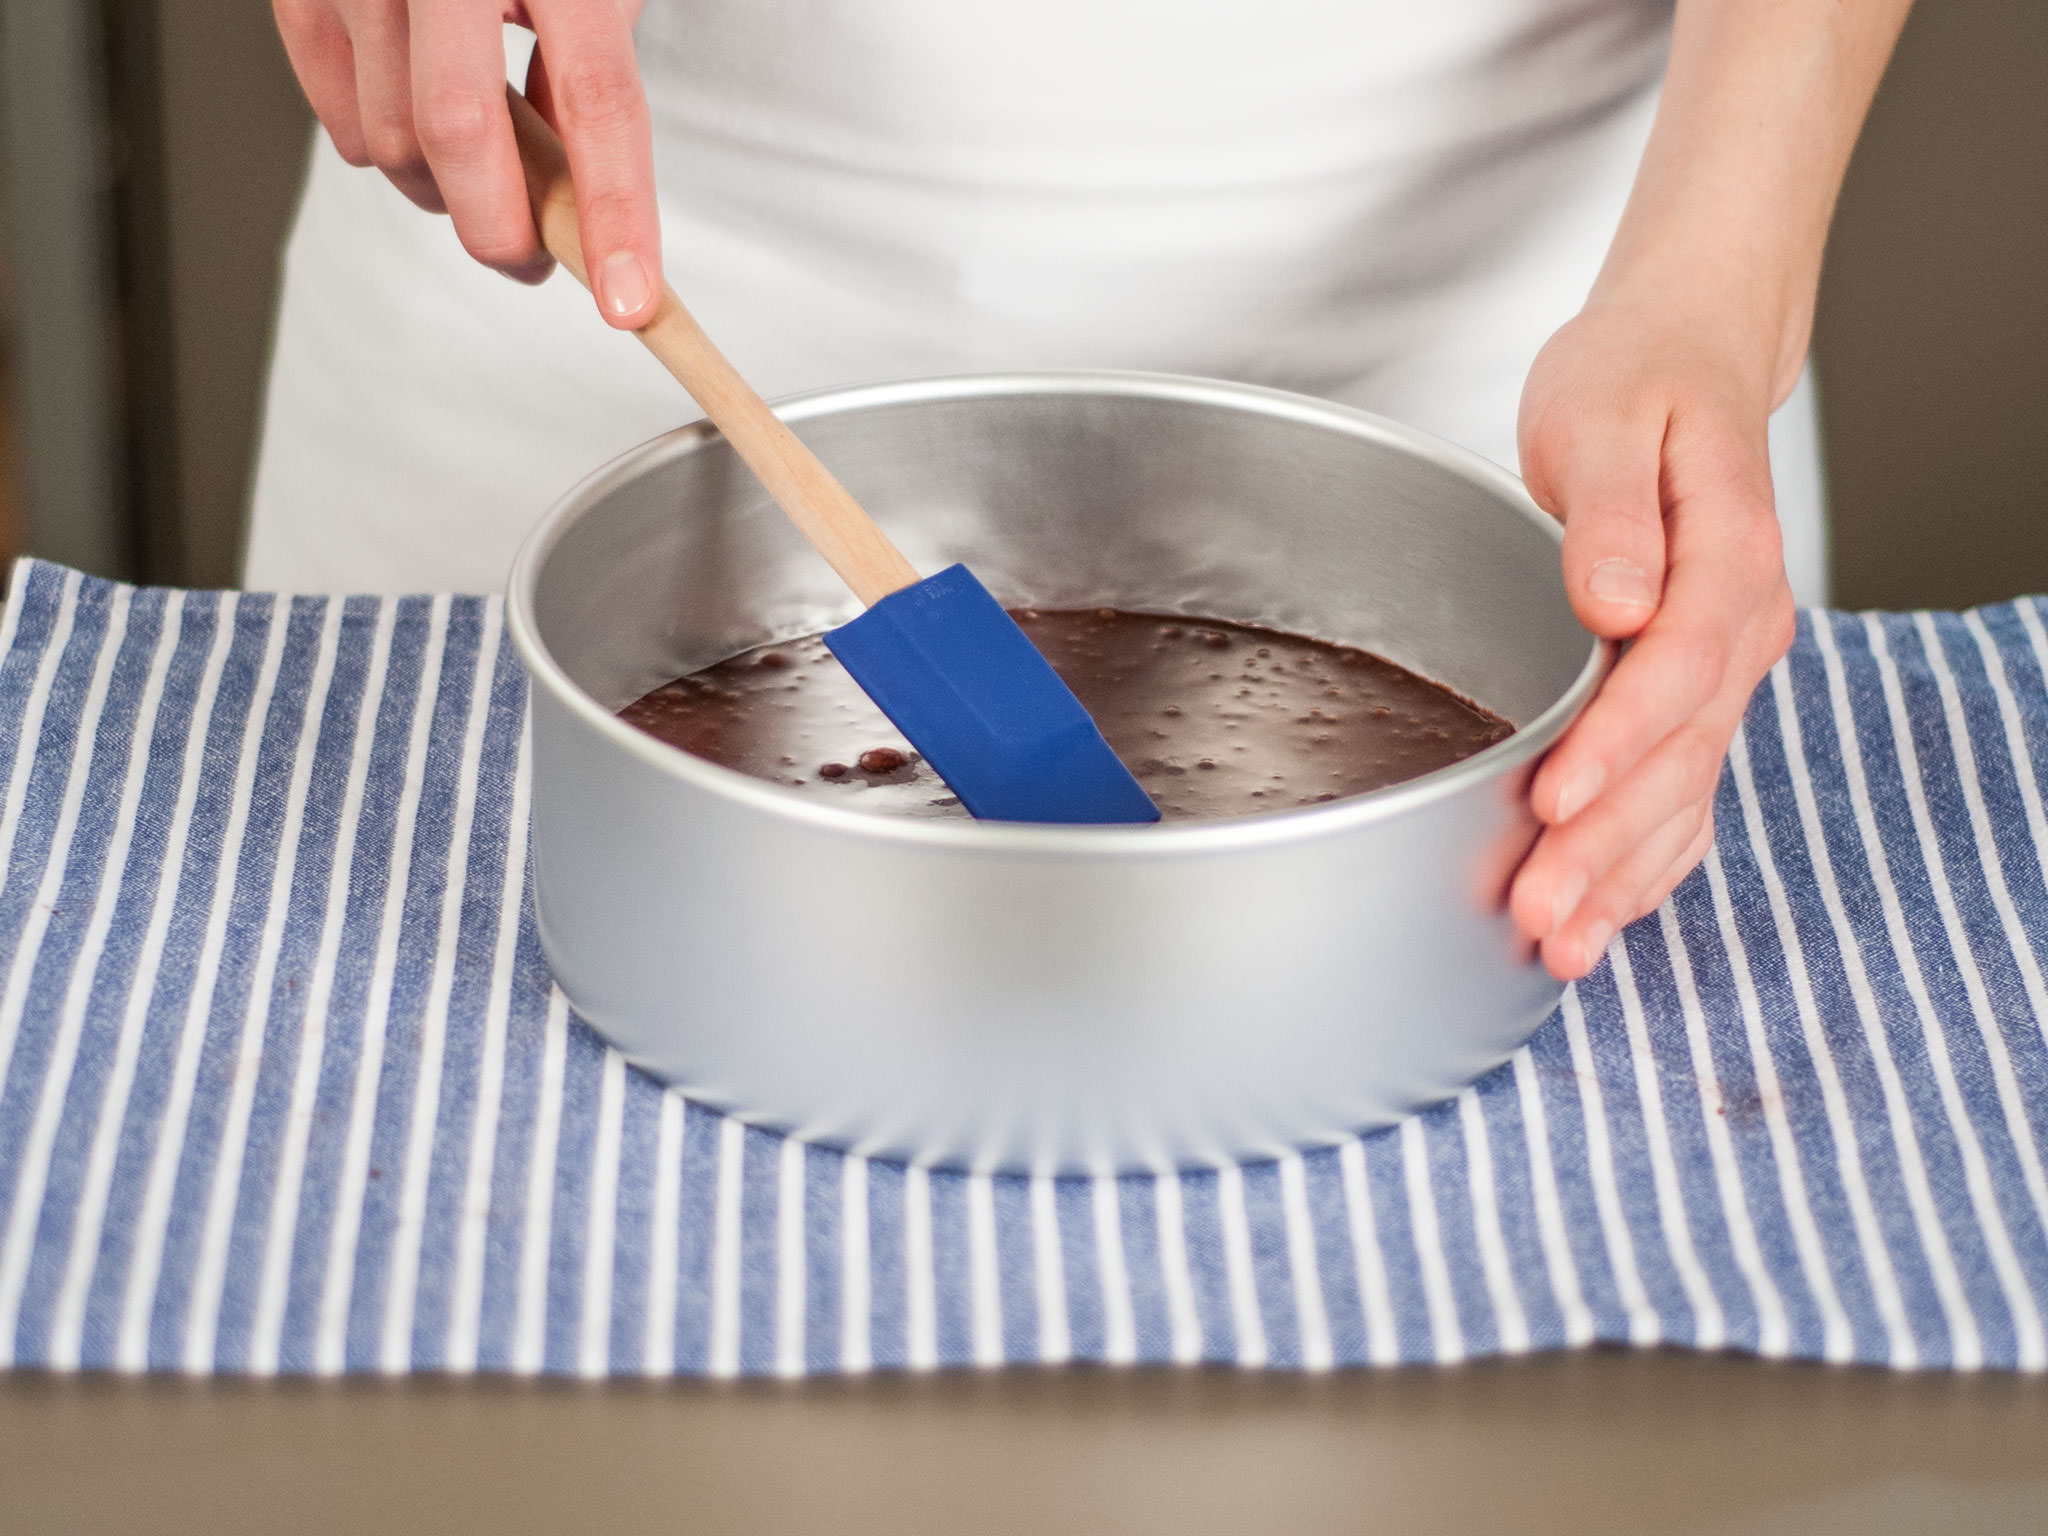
{"x":1215,"y":719}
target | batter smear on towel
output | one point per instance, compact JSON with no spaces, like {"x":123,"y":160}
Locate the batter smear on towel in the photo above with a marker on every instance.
{"x":1216,"y":720}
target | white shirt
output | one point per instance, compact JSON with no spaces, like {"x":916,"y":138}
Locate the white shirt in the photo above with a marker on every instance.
{"x":1385,"y":203}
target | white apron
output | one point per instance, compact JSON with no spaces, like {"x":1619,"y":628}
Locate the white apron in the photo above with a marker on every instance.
{"x":1385,"y":203}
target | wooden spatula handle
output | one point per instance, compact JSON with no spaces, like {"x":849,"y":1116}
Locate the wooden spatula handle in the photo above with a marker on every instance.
{"x":818,"y":504}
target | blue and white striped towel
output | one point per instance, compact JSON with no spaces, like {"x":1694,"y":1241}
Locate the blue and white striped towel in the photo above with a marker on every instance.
{"x":284,"y":1083}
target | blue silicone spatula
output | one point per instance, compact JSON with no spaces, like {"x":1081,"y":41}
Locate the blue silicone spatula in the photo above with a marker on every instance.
{"x":938,"y":654}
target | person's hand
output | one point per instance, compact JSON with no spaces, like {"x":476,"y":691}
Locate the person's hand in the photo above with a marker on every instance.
{"x":1645,"y":436}
{"x":417,"y":88}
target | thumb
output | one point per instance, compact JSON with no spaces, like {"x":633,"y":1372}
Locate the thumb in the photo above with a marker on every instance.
{"x":1597,"y":470}
{"x":585,"y":82}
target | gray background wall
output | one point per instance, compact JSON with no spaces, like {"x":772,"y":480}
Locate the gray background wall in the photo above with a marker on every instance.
{"x":1932,"y":341}
{"x":235,"y":138}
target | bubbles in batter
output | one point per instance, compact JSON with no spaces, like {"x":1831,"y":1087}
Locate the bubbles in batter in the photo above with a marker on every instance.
{"x":1215,"y":719}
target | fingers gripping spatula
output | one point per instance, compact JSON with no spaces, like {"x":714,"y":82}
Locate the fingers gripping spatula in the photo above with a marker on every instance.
{"x":938,"y":654}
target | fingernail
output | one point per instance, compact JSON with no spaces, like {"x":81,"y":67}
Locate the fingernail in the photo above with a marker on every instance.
{"x":1579,"y":790}
{"x":1621,"y":581}
{"x":622,"y":284}
{"x":1567,"y":899}
{"x":1597,"y":939}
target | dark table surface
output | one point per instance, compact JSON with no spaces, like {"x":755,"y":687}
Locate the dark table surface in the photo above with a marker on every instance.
{"x":1585,"y":1443}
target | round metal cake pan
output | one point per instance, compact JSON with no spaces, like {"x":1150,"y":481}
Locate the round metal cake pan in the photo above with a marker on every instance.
{"x":1031,"y":998}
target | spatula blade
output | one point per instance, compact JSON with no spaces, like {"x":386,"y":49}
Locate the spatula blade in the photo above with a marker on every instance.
{"x":972,"y":693}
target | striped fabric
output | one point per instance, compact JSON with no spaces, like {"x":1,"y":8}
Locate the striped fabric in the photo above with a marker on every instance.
{"x":285,"y":1085}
